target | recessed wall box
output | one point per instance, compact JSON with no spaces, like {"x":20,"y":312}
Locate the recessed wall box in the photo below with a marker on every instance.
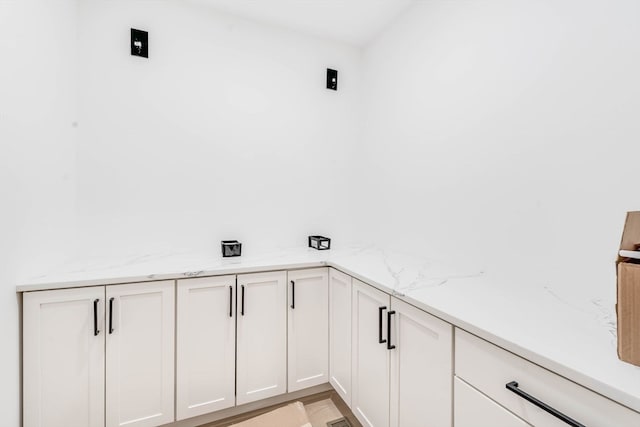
{"x":139,"y":43}
{"x":332,"y":79}
{"x":320,"y":243}
{"x":231,"y":248}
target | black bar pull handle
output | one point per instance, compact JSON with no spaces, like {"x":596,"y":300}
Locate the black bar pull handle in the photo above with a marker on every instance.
{"x":513,"y":387}
{"x":111,"y":315}
{"x":293,"y":295}
{"x":389,"y":314}
{"x":95,"y":317}
{"x":380,"y":310}
{"x":230,"y":301}
{"x":242,"y":305}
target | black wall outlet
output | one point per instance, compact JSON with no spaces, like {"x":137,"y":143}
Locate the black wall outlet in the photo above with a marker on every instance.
{"x":332,"y":79}
{"x":139,"y":43}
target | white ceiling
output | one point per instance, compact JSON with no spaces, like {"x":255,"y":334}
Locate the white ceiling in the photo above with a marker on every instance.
{"x":351,"y":21}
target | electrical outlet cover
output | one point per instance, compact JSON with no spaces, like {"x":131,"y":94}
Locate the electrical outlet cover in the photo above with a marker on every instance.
{"x":139,"y":43}
{"x":332,"y":79}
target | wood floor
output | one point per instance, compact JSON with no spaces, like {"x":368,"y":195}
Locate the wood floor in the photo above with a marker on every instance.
{"x":342,"y":407}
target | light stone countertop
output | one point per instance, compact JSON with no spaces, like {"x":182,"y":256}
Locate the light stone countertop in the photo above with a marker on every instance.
{"x":577,"y":341}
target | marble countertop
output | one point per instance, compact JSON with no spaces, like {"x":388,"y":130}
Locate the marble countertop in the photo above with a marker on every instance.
{"x":166,"y":265}
{"x":533,"y":320}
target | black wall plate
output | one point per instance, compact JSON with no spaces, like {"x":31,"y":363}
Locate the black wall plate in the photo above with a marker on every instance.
{"x":332,"y":79}
{"x":139,"y":43}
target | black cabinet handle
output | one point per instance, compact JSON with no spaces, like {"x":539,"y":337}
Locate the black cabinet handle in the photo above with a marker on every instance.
{"x":95,"y":317}
{"x":293,"y":295}
{"x":111,"y":315}
{"x":230,"y":301}
{"x":513,"y":387}
{"x":380,"y":310}
{"x":242,"y":305}
{"x":389,"y":314}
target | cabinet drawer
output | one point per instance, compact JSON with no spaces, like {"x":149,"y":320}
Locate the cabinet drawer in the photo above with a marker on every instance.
{"x":489,"y":368}
{"x":472,"y":406}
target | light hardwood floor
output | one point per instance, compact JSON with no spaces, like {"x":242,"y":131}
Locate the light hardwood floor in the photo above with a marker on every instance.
{"x":342,"y":407}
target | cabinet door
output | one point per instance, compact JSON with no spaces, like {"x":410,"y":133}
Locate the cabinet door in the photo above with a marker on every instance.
{"x":206,"y":345}
{"x":371,"y":358}
{"x":421,"y":368}
{"x":63,"y":358}
{"x":308,"y":328}
{"x":473,"y":408}
{"x":140,"y":354}
{"x":340,"y":334}
{"x":262,"y":336}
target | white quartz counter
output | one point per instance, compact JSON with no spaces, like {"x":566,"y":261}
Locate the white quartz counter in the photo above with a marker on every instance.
{"x":530,"y":320}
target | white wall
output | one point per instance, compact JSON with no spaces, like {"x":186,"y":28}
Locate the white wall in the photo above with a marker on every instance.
{"x":37,"y":160}
{"x":226,"y":131}
{"x":506,"y":132}
{"x":493,"y":130}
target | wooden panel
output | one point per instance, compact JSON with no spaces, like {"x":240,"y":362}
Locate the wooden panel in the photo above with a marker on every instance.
{"x":262,"y":336}
{"x":340,"y":334}
{"x":631,"y":233}
{"x":370,"y":363}
{"x":63,"y":358}
{"x":628,"y":309}
{"x":206,"y":345}
{"x":421,"y":368}
{"x":140,"y":355}
{"x":308,"y":328}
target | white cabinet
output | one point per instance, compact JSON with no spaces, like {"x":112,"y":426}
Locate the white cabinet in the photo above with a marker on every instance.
{"x":77,"y":359}
{"x":472,"y":407}
{"x":340,"y":333}
{"x":261,"y":336}
{"x":511,"y":381}
{"x":421,"y":367}
{"x":63,"y":344}
{"x":206,"y":345}
{"x":140,"y":354}
{"x":308,"y":328}
{"x":402,"y":362}
{"x":370,"y":356}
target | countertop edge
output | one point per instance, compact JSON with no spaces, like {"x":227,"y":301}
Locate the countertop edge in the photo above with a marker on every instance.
{"x":167,"y":276}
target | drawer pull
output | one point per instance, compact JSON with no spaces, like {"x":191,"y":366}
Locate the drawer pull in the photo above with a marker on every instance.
{"x":111,"y":315}
{"x":95,"y":317}
{"x":380,"y":310}
{"x":293,"y":295}
{"x":230,"y":301}
{"x":242,"y":304}
{"x":389,"y":314}
{"x":513,"y":387}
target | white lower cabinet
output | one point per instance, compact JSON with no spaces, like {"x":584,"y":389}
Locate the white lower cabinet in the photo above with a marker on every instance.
{"x":421,"y":368}
{"x":402,"y":363}
{"x":206,"y":345}
{"x":261,"y":336}
{"x":63,"y":363}
{"x":308,"y":328}
{"x":99,"y":355}
{"x":473,"y":409}
{"x":340,"y":334}
{"x":370,"y":356}
{"x":108,"y":356}
{"x":140,"y":354}
{"x":516,"y":384}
